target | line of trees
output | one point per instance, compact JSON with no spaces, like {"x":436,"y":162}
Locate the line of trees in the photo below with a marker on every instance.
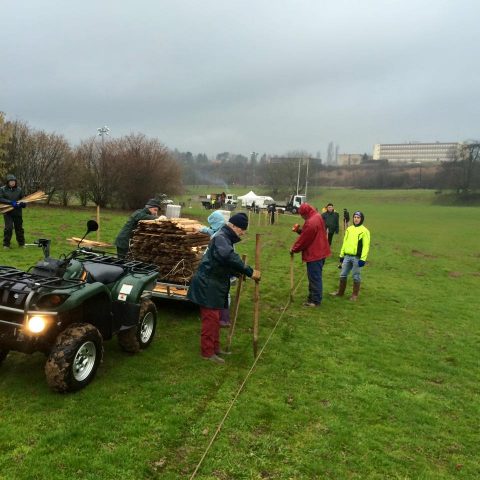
{"x":280,"y":174}
{"x":121,"y":172}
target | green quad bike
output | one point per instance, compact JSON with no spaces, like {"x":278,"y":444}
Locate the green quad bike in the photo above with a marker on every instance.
{"x":67,"y":307}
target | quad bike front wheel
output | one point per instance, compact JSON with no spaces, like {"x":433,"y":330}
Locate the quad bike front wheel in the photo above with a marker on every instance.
{"x":3,"y":355}
{"x":140,"y":336}
{"x":74,"y":359}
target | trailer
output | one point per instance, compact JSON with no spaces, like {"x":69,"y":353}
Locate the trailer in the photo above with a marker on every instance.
{"x":170,"y":291}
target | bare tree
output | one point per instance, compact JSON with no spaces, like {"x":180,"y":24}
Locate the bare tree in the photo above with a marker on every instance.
{"x":145,"y":168}
{"x":35,"y":157}
{"x":5,"y":135}
{"x":98,"y":170}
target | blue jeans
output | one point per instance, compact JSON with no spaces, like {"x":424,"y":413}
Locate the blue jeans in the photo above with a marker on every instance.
{"x":350,"y":263}
{"x":315,"y":286}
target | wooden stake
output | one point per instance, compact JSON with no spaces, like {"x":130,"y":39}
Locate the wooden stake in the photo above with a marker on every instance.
{"x":98,"y":221}
{"x":236,"y":305}
{"x":291,"y":276}
{"x":256,"y":298}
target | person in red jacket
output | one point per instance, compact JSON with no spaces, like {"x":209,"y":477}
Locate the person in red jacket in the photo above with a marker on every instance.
{"x":313,"y":244}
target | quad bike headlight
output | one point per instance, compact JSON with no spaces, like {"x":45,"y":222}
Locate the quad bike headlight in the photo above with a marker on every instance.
{"x":36,"y":324}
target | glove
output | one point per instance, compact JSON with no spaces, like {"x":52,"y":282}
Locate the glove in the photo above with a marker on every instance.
{"x":340,"y":260}
{"x":256,"y":275}
{"x":361,"y":263}
{"x":14,"y":204}
{"x":22,"y":204}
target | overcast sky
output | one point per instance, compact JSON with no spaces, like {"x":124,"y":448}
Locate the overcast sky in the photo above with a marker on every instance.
{"x":241,"y":76}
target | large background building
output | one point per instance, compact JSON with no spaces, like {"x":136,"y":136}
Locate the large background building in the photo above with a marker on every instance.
{"x":415,"y":152}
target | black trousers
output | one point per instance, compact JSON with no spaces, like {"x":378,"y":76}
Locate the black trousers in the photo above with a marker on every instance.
{"x":330,"y":237}
{"x":11,"y":222}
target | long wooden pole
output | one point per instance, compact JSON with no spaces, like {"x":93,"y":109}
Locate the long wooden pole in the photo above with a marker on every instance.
{"x":98,"y":221}
{"x":291,"y":276}
{"x":236,"y":305}
{"x":256,"y":297}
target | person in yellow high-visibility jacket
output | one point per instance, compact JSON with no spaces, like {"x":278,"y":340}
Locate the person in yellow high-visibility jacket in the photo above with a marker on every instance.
{"x":353,"y":255}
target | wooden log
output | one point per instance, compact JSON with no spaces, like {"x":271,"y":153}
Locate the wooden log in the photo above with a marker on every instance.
{"x":236,"y":306}
{"x":256,"y":298}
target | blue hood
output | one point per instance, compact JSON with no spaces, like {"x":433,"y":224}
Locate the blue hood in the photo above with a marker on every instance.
{"x":216,"y":222}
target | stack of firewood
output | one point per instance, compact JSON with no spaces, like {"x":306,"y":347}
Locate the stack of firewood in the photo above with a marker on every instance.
{"x":34,"y":197}
{"x":173,"y":244}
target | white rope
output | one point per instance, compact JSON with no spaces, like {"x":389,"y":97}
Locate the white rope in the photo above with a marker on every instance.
{"x":220,"y":425}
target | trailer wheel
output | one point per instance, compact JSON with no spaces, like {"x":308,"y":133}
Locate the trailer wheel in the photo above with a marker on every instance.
{"x":3,"y":354}
{"x":140,"y":337}
{"x":74,"y":359}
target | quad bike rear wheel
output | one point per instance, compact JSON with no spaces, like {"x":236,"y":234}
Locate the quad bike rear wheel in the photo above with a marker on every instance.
{"x":140,"y":336}
{"x":74,"y":359}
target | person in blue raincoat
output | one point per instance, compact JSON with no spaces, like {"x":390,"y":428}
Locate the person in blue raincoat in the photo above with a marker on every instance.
{"x":210,"y":284}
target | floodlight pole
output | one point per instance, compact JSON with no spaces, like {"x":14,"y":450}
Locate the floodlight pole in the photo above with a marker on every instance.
{"x":102,"y":132}
{"x":298,"y":176}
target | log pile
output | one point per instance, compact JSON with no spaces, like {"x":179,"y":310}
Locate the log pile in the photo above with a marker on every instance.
{"x":33,"y":197}
{"x":173,"y":244}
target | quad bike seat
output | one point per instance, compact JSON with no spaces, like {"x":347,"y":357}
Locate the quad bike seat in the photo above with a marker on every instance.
{"x":99,"y":272}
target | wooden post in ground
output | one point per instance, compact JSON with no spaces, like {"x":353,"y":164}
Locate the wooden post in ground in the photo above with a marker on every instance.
{"x":98,"y":221}
{"x":236,"y":305}
{"x":291,"y":276}
{"x":256,"y":298}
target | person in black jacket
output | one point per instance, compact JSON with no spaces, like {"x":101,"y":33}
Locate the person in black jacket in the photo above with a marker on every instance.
{"x":330,"y":217}
{"x":211,"y":282}
{"x":11,"y":194}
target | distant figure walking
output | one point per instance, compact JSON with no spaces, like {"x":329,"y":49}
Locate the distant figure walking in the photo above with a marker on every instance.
{"x":272,"y":208}
{"x":331,"y":219}
{"x":346,"y":219}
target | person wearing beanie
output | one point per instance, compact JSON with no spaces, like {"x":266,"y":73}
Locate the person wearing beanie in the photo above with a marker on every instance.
{"x":313,"y":244}
{"x":353,"y":255}
{"x":11,"y":194}
{"x":149,"y":212}
{"x":216,"y":221}
{"x":210,"y":284}
{"x":330,"y":217}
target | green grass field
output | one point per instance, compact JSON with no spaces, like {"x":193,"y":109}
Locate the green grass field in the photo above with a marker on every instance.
{"x":388,"y":387}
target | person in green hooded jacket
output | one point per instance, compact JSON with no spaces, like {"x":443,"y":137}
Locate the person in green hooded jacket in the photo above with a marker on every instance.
{"x":149,"y":212}
{"x":11,"y":194}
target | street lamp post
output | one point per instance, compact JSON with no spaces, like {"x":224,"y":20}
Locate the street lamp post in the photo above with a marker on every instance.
{"x":253,"y":159}
{"x":102,"y":132}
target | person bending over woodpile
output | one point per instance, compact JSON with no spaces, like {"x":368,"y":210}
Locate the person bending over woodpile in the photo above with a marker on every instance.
{"x":149,"y":212}
{"x":210,"y":284}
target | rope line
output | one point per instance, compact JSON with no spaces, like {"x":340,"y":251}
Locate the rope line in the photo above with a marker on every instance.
{"x":249,"y":373}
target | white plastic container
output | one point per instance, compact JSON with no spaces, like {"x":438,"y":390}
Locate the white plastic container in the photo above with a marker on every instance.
{"x":173,"y":211}
{"x":226,"y":214}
